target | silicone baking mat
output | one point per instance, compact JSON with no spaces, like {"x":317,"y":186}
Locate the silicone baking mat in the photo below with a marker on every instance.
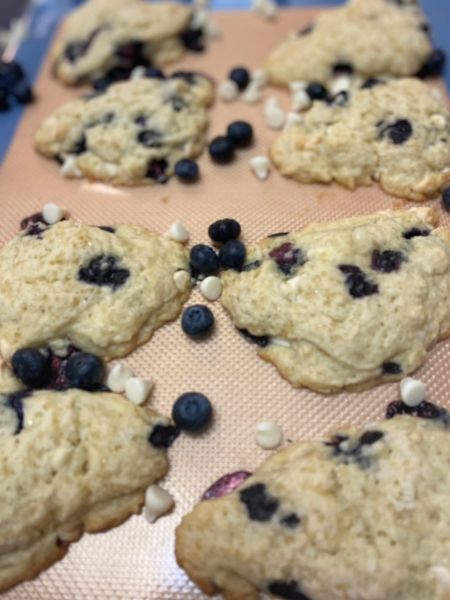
{"x":136,"y":560}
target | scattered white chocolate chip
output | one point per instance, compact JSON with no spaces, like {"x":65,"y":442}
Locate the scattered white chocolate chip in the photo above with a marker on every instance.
{"x":211,"y":287}
{"x":438,"y":121}
{"x":297,"y":86}
{"x":70,"y":169}
{"x":300,"y":100}
{"x":293,"y":119}
{"x":274,"y":113}
{"x":260,"y":166}
{"x":412,"y":391}
{"x":137,"y":389}
{"x":280,"y":342}
{"x":117,"y":377}
{"x":252,"y":94}
{"x":157,"y":503}
{"x":211,"y":29}
{"x":182,"y":280}
{"x":268,"y":435}
{"x":52,"y":213}
{"x":265,"y":8}
{"x":340,"y":84}
{"x":138,"y":72}
{"x":178,"y":232}
{"x":228,"y":90}
{"x":258,"y":78}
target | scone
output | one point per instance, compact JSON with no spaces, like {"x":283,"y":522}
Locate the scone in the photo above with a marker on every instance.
{"x":347,"y":304}
{"x":362,"y":516}
{"x":106,"y":35}
{"x":396,"y":134}
{"x":132,"y":134}
{"x":366,"y":38}
{"x":70,"y":462}
{"x":103,"y":290}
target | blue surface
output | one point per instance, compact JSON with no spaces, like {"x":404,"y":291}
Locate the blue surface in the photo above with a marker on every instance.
{"x":45,"y":17}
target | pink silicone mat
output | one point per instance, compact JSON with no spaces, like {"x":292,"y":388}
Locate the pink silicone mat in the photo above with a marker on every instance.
{"x":136,"y":561}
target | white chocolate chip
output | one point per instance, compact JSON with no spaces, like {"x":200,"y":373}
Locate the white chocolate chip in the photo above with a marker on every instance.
{"x":52,"y":213}
{"x":293,"y":119}
{"x":117,"y":377}
{"x":268,"y":435}
{"x":297,"y":86}
{"x":280,"y":342}
{"x":228,"y":90}
{"x":300,"y":100}
{"x":138,"y":72}
{"x":259,"y":78}
{"x":265,"y":8}
{"x":274,"y":113}
{"x":438,"y":121}
{"x":182,"y":280}
{"x":412,"y":391}
{"x":70,"y":169}
{"x":340,"y":84}
{"x":178,"y":232}
{"x":252,"y":94}
{"x":137,"y":389}
{"x":211,"y":288}
{"x":157,"y":503}
{"x":199,"y":18}
{"x":260,"y":166}
{"x":211,"y":29}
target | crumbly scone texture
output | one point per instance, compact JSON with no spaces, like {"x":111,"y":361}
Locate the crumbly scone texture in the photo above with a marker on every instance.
{"x":94,"y":34}
{"x":132,"y":134}
{"x":70,"y":462}
{"x":396,"y":134}
{"x":104,"y":292}
{"x":347,"y":304}
{"x":373,"y":37}
{"x":365,"y":515}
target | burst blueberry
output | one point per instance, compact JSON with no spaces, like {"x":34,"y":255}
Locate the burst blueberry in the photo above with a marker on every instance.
{"x":192,"y":411}
{"x":103,"y":270}
{"x":232,"y":255}
{"x":187,"y":170}
{"x":357,"y":283}
{"x":260,"y":505}
{"x":197,"y":321}
{"x":224,"y":230}
{"x":434,"y":65}
{"x":221,"y":149}
{"x":84,"y":371}
{"x":150,"y":138}
{"x":387,"y":261}
{"x":204,"y":259}
{"x":31,"y":367}
{"x":240,"y":76}
{"x":163,"y":436}
{"x":316,"y":91}
{"x":193,"y":39}
{"x":156,"y":170}
{"x":240,"y":133}
{"x":398,"y":132}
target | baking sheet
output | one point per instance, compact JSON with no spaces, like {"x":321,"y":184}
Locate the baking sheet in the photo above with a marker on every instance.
{"x":136,"y":561}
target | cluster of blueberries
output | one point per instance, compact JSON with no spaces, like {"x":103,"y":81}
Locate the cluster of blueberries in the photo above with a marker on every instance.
{"x":13,"y":85}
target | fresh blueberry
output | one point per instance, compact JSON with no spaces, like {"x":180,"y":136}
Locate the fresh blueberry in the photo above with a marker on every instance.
{"x":192,"y":411}
{"x":149,"y":138}
{"x":434,"y":65}
{"x":446,"y":199}
{"x":398,"y":132}
{"x":232,"y":255}
{"x":240,"y":133}
{"x":197,"y":321}
{"x":187,"y":170}
{"x":4,"y":104}
{"x":10,"y":74}
{"x":154,"y":73}
{"x":224,"y":230}
{"x":221,"y":149}
{"x":163,"y":436}
{"x":31,"y":367}
{"x":156,"y":170}
{"x":316,"y":91}
{"x":204,"y":259}
{"x":343,"y":68}
{"x":193,"y":39}
{"x":84,"y":371}
{"x":240,"y":76}
{"x":103,"y":270}
{"x":22,"y":92}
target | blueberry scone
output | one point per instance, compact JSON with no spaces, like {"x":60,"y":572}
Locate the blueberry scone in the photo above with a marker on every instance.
{"x":105,"y":37}
{"x":70,"y":462}
{"x":132,"y":134}
{"x":363,"y":515}
{"x":396,"y":134}
{"x":347,"y":304}
{"x":365,"y":38}
{"x":103,"y":290}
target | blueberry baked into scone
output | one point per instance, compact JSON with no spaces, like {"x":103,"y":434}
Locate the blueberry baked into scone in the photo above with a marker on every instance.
{"x":70,"y":462}
{"x":396,"y":133}
{"x":103,"y":290}
{"x":105,"y":39}
{"x":347,"y":304}
{"x":365,"y":38}
{"x":133,"y":133}
{"x":362,"y":515}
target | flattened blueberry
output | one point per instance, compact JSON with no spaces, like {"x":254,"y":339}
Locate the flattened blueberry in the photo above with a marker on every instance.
{"x":289,"y":590}
{"x":75,"y":50}
{"x":398,"y":132}
{"x":31,"y":367}
{"x":291,"y":520}
{"x":103,"y":270}
{"x":287,"y":257}
{"x":15,"y":402}
{"x":387,"y":261}
{"x":425,"y":410}
{"x":260,"y":340}
{"x":157,"y":170}
{"x":434,"y":65}
{"x":163,"y":436}
{"x":260,"y":505}
{"x":357,"y":284}
{"x":34,"y":224}
{"x":415,"y":232}
{"x":149,"y":138}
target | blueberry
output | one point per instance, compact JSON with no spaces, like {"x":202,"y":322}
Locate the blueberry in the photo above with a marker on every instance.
{"x":224,"y":230}
{"x":232,"y":255}
{"x":291,"y":521}
{"x":10,"y":74}
{"x":141,"y":120}
{"x":288,"y":258}
{"x":260,"y":505}
{"x":197,"y":321}
{"x":370,"y":437}
{"x":22,"y":92}
{"x":188,"y":76}
{"x":446,"y":199}
{"x":84,"y":371}
{"x":193,"y":39}
{"x":4,"y":104}
{"x":425,"y":410}
{"x":387,"y":261}
{"x":343,"y":68}
{"x":103,"y":270}
{"x":288,"y":590}
{"x":417,"y":232}
{"x":240,"y":133}
{"x":187,"y":170}
{"x":316,"y":91}
{"x":156,"y":170}
{"x":434,"y":65}
{"x":163,"y":436}
{"x":149,"y":138}
{"x":370,"y":83}
{"x":357,"y":284}
{"x":221,"y":149}
{"x":398,"y":132}
{"x":31,"y":367}
{"x":177,"y":102}
{"x":391,"y":368}
{"x":204,"y":260}
{"x":306,"y":30}
{"x":154,"y":73}
{"x":192,"y":411}
{"x":131,"y":52}
{"x":80,"y":146}
{"x":240,"y":76}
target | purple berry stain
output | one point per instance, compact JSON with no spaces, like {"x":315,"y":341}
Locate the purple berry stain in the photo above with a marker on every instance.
{"x":225,"y":485}
{"x":287,"y":257}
